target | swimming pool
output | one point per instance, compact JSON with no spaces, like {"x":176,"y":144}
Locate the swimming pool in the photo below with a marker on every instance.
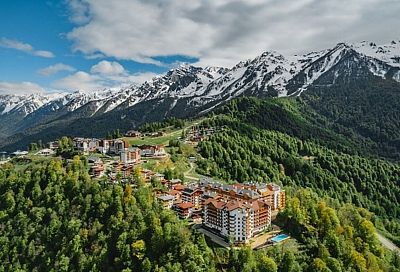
{"x":280,"y":238}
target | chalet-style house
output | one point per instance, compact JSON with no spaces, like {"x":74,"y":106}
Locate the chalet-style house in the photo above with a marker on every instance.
{"x":152,"y":150}
{"x":184,"y":209}
{"x":192,"y":194}
{"x":53,"y":145}
{"x":174,"y":182}
{"x":96,"y":165}
{"x":133,"y":133}
{"x":177,"y":195}
{"x":130,"y":155}
{"x":198,"y":134}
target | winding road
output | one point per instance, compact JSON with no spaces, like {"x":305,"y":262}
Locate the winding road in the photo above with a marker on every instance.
{"x":387,"y":243}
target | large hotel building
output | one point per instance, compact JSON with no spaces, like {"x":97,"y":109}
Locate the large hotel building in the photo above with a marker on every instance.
{"x":237,"y":212}
{"x":240,"y":211}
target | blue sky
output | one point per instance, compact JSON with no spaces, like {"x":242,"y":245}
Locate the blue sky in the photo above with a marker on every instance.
{"x":44,"y":26}
{"x":93,"y":44}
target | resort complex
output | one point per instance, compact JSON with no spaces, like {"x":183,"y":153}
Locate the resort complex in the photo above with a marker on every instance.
{"x":236,"y":212}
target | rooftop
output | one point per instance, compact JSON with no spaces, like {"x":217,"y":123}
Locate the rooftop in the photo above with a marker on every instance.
{"x":185,"y":205}
{"x":166,"y":197}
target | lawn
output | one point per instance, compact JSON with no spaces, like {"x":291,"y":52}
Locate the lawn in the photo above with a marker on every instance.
{"x":171,"y":134}
{"x":155,"y":140}
{"x":20,"y":165}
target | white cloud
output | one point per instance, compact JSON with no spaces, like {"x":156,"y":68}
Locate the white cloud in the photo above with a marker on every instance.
{"x":42,"y":53}
{"x":79,"y":11}
{"x":20,"y":87}
{"x":107,"y":68}
{"x":226,"y":31}
{"x":24,"y":47}
{"x":54,"y":69}
{"x":102,"y":75}
{"x":79,"y":81}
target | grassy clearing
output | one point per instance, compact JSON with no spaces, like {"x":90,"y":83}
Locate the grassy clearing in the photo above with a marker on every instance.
{"x":154,"y":140}
{"x":177,"y":161}
{"x":171,"y":134}
{"x":21,"y":164}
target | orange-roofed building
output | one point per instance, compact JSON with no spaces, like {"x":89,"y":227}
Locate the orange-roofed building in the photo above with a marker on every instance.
{"x":238,"y":219}
{"x":176,"y":194}
{"x":178,"y":187}
{"x":184,"y":209}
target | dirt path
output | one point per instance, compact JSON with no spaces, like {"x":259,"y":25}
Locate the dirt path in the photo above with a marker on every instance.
{"x":387,"y":243}
{"x":187,"y":173}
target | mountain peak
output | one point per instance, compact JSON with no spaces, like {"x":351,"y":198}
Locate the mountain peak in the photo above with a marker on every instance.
{"x":388,"y":53}
{"x":188,"y":88}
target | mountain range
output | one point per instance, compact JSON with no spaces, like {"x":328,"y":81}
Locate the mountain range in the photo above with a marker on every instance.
{"x":188,"y":91}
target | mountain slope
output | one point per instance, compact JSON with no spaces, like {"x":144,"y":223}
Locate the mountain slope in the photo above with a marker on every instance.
{"x":269,"y":140}
{"x":188,"y":91}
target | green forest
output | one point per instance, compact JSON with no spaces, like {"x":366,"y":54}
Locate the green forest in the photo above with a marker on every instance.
{"x":247,"y":151}
{"x":55,"y":217}
{"x":363,"y":109}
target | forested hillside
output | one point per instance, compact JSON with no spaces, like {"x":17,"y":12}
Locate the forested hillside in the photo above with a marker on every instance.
{"x":333,"y":238}
{"x":365,"y":109}
{"x":265,"y":140}
{"x":55,"y":218}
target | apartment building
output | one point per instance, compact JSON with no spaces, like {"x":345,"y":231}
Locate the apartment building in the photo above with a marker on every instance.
{"x":237,"y":220}
{"x":130,"y":155}
{"x":271,"y":193}
{"x":192,"y":194}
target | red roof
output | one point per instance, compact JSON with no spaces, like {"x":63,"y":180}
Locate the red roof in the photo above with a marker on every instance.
{"x":173,"y":192}
{"x":179,"y":187}
{"x":185,"y":205}
{"x":216,"y":203}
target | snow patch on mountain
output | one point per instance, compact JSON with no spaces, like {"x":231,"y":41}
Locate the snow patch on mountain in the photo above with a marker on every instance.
{"x":323,"y":64}
{"x":388,"y":53}
{"x":268,"y":74}
{"x":25,"y":104}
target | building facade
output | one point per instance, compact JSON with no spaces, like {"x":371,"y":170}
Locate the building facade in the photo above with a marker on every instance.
{"x":152,"y":150}
{"x":130,"y":155}
{"x":237,"y":220}
{"x":192,"y":195}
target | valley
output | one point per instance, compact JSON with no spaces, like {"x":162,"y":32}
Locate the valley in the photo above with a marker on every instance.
{"x":329,"y":196}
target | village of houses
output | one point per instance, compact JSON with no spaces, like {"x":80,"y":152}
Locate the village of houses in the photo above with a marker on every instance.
{"x":240,"y":213}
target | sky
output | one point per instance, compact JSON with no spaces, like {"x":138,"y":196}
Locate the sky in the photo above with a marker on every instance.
{"x":69,"y":45}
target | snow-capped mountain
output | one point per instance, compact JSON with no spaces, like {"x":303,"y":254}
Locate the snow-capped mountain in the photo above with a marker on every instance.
{"x":188,"y":90}
{"x":25,"y":104}
{"x":388,"y":53}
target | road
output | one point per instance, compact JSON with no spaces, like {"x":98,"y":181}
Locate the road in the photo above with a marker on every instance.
{"x":187,"y":173}
{"x":387,"y":243}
